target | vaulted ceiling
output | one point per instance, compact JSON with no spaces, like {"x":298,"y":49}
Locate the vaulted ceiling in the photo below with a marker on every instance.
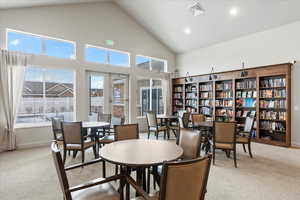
{"x":167,"y":19}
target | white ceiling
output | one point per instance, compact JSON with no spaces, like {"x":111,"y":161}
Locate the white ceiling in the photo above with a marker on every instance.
{"x":4,"y":4}
{"x":166,"y":19}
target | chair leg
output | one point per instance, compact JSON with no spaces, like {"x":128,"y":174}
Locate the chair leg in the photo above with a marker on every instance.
{"x":249,"y":149}
{"x":148,"y":179}
{"x":214,"y":155}
{"x":234,"y":158}
{"x":244,"y":148}
{"x":156,"y":133}
{"x":95,"y":152}
{"x":116,"y":169}
{"x":148,"y":134}
{"x":104,"y":169}
{"x":165,"y":135}
{"x":65,"y":156}
{"x":74,"y":153}
{"x":82,"y":156}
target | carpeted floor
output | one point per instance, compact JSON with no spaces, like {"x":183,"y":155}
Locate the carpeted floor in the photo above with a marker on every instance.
{"x":273,"y":174}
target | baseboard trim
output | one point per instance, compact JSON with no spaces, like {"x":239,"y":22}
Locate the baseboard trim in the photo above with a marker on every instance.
{"x":33,"y":145}
{"x":296,"y":144}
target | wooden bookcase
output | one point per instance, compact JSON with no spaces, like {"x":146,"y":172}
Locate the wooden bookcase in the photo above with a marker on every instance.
{"x":265,"y":91}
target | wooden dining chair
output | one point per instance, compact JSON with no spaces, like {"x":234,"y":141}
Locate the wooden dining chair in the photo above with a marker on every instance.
{"x":153,"y":125}
{"x":185,"y":120}
{"x":56,"y":127}
{"x":99,"y":189}
{"x":190,"y":142}
{"x":104,"y":118}
{"x":244,"y":136}
{"x":196,"y":120}
{"x":180,"y":180}
{"x":224,"y":138}
{"x":74,"y":140}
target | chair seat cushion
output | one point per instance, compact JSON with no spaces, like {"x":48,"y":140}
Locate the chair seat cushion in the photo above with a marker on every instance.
{"x":99,"y":192}
{"x":87,"y":144}
{"x":107,"y":139}
{"x":160,"y":128}
{"x":241,"y":139}
{"x":224,"y":146}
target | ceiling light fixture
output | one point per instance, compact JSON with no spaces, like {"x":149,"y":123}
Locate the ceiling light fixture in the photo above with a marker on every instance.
{"x":234,"y":11}
{"x":187,"y":31}
{"x":196,"y":9}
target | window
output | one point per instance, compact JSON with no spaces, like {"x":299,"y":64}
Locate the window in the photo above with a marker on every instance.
{"x":40,"y":45}
{"x":106,"y":56}
{"x":149,"y":97}
{"x":46,"y":93}
{"x":151,"y":64}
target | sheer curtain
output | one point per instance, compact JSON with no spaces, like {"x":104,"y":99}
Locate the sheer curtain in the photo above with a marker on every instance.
{"x":167,"y":92}
{"x":12,"y":72}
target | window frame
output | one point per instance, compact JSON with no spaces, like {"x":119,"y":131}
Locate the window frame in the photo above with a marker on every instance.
{"x":150,"y":63}
{"x":48,"y":123}
{"x":43,"y":46}
{"x":107,"y":58}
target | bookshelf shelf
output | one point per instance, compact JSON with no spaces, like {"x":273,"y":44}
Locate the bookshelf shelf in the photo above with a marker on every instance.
{"x":265,"y":91}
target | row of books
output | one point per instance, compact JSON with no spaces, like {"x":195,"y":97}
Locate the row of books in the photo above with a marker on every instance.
{"x":271,"y":115}
{"x":245,"y":113}
{"x":225,"y":94}
{"x":272,"y":126}
{"x":224,"y":86}
{"x":272,"y":103}
{"x":246,"y":102}
{"x":206,"y":87}
{"x":192,"y":103}
{"x":224,"y":103}
{"x":191,"y":88}
{"x":178,"y":89}
{"x":246,"y":84}
{"x":246,"y":94}
{"x":273,"y":93}
{"x":224,"y":112}
{"x":206,"y":111}
{"x":205,"y":95}
{"x":205,"y":103}
{"x":191,"y":95}
{"x":275,"y":82}
{"x":178,"y":95}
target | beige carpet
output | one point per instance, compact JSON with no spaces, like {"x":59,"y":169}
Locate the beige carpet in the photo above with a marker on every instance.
{"x":273,"y":174}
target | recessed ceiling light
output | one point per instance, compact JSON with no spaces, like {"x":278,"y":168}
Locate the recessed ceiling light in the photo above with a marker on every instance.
{"x":234,"y":11}
{"x":187,"y":31}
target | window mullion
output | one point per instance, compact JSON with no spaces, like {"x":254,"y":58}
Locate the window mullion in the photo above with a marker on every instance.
{"x":44,"y":93}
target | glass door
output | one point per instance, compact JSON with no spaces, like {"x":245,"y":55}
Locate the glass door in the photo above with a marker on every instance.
{"x":119,"y":96}
{"x":108,"y":94}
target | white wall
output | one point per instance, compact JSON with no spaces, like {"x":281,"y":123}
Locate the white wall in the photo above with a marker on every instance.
{"x":274,"y":46}
{"x":91,"y":23}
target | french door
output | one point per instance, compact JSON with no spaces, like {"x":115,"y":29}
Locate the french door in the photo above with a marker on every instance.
{"x":108,"y":93}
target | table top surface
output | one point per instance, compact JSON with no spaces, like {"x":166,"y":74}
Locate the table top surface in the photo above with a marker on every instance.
{"x":94,"y":124}
{"x":206,"y":124}
{"x":140,"y":152}
{"x":167,"y":116}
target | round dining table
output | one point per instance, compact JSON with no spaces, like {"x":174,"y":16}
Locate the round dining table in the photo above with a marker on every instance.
{"x":139,"y":154}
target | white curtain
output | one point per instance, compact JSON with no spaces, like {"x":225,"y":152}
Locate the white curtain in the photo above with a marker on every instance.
{"x":167,"y":93}
{"x":12,"y":72}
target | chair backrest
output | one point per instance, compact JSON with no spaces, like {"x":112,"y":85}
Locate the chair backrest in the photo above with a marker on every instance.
{"x":59,"y":166}
{"x":72,"y":132}
{"x":117,"y":120}
{"x":151,"y":119}
{"x":190,"y":142}
{"x":224,"y":132}
{"x":249,"y":122}
{"x":185,"y":120}
{"x":56,"y":125}
{"x":185,"y":179}
{"x":126,"y":132}
{"x":104,"y":117}
{"x":197,"y":118}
